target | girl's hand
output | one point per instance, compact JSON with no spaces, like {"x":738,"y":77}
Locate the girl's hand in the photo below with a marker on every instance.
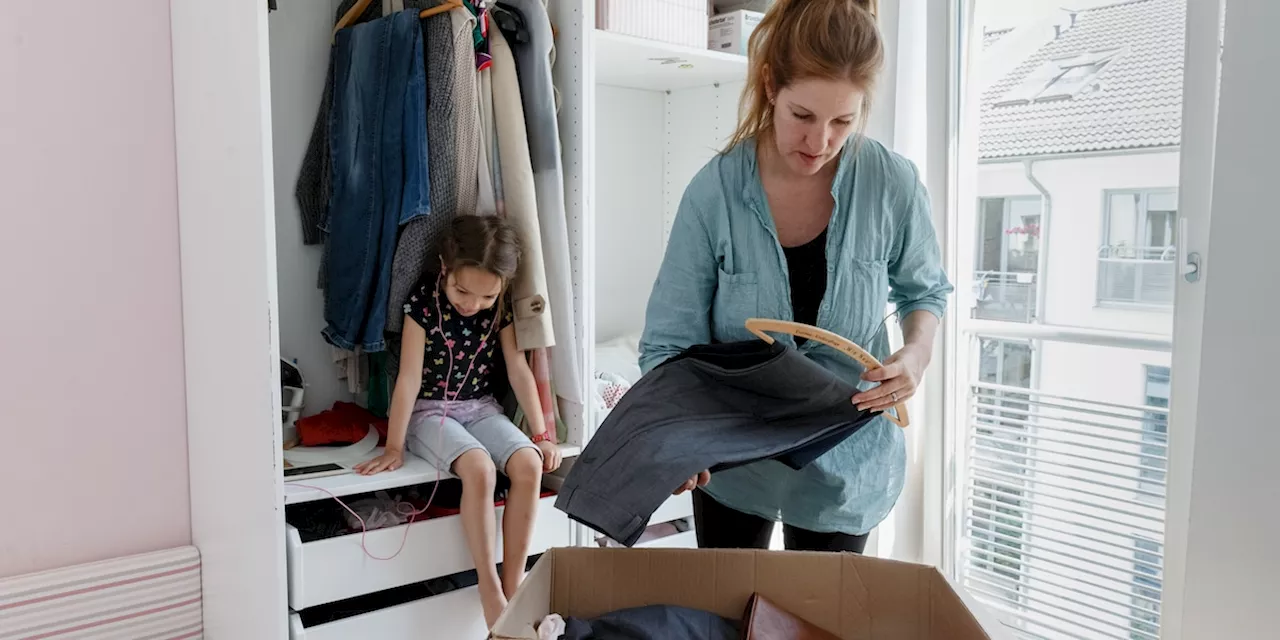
{"x":389,"y":461}
{"x":898,"y":378}
{"x":550,"y":456}
{"x":699,"y":480}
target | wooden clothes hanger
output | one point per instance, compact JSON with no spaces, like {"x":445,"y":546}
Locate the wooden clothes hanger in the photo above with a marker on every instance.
{"x":762,"y":327}
{"x":447,"y":6}
{"x":359,"y":7}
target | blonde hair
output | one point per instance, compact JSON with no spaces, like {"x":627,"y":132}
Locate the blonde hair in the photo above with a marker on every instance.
{"x":800,"y":39}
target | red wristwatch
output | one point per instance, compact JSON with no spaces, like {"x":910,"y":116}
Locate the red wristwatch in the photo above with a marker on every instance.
{"x":545,"y":436}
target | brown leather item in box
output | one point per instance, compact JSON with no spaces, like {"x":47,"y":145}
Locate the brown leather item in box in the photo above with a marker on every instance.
{"x":766,"y":621}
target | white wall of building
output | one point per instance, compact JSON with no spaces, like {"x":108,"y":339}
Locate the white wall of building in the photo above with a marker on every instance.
{"x":1095,"y":372}
{"x":1076,"y":187}
{"x":1075,"y":231}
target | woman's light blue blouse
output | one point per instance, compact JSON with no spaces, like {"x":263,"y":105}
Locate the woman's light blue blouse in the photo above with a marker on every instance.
{"x":724,"y":264}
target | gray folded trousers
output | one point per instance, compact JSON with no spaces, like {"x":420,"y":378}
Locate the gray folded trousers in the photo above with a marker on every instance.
{"x":713,"y":407}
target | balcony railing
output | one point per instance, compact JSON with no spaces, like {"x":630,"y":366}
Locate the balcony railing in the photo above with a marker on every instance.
{"x":1064,"y":512}
{"x":1005,"y":296}
{"x":1136,"y":275}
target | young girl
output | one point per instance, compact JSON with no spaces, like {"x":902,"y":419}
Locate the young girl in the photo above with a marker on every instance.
{"x":443,"y":406}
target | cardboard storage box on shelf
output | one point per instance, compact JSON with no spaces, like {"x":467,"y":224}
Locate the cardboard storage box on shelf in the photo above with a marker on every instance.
{"x":682,"y":22}
{"x":729,"y":32}
{"x":854,"y":597}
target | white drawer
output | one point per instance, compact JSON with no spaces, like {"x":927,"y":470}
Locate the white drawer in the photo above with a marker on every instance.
{"x":675,"y":508}
{"x":335,"y":569}
{"x":455,"y":615}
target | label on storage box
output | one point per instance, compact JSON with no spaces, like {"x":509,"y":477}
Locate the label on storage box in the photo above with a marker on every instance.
{"x":729,"y":32}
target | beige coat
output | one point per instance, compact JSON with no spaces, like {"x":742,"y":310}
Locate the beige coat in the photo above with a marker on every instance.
{"x":533,"y":317}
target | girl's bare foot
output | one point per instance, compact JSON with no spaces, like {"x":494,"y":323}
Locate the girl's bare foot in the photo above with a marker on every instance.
{"x":493,"y":601}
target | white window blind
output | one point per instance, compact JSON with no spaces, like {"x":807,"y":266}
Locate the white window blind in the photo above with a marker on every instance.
{"x":1064,"y":508}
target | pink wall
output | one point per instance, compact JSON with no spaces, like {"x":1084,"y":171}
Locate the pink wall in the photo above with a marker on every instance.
{"x":93,"y":453}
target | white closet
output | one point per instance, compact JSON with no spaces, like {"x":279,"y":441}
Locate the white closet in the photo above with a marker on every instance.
{"x":637,"y":121}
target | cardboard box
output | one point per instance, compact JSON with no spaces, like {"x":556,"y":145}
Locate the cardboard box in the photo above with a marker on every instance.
{"x":854,"y":597}
{"x":729,"y":32}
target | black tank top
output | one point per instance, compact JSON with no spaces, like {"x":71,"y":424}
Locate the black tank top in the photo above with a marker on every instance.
{"x":807,"y":269}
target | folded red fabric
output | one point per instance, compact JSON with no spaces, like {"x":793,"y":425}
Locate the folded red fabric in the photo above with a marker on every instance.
{"x":344,"y":423}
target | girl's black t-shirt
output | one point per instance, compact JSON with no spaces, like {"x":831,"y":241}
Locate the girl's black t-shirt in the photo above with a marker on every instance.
{"x":453,"y":341}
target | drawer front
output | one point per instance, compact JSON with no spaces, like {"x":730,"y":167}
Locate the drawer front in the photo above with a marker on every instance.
{"x":456,"y":614}
{"x":335,"y":569}
{"x":675,"y":508}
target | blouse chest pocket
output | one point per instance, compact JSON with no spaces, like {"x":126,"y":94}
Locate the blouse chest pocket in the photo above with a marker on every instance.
{"x":867,"y":292}
{"x":737,"y":299}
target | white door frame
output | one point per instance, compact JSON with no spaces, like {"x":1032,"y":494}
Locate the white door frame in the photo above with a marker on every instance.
{"x":226,"y":213}
{"x":1195,"y":196}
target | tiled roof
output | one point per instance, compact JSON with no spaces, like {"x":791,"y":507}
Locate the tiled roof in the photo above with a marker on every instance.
{"x":1135,"y":101}
{"x":991,"y":37}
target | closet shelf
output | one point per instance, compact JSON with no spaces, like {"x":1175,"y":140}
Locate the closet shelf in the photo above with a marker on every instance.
{"x":415,"y":471}
{"x":637,"y":63}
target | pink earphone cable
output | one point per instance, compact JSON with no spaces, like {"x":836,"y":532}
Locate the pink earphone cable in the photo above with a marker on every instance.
{"x":413,"y":513}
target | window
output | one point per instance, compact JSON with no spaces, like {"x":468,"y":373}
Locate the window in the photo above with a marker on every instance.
{"x":1060,"y":79}
{"x":1007,"y":258}
{"x":1060,"y":463}
{"x":1144,"y":609}
{"x":1136,"y":262}
{"x":1155,"y":434}
{"x":999,"y":507}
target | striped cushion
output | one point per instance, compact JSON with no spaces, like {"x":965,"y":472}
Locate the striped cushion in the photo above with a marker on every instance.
{"x":154,"y":596}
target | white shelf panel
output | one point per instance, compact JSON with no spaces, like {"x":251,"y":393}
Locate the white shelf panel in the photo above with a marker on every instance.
{"x":415,"y":471}
{"x":627,"y":61}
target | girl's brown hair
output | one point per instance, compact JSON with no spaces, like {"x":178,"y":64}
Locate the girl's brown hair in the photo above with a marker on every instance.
{"x":800,"y":39}
{"x":484,"y":242}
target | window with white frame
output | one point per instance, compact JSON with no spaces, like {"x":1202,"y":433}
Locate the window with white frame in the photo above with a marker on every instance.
{"x":1000,"y":456}
{"x":1007,"y":258}
{"x":1136,"y":262}
{"x":1060,"y":434}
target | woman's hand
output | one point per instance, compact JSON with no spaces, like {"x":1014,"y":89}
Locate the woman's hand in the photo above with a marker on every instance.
{"x":699,"y":480}
{"x":389,"y":461}
{"x":898,"y":379}
{"x":550,"y":456}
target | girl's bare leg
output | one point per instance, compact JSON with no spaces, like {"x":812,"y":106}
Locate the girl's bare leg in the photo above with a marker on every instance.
{"x":524,"y":468}
{"x":479,"y":476}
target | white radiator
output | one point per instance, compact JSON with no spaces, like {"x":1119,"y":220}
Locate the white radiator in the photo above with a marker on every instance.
{"x":154,"y":596}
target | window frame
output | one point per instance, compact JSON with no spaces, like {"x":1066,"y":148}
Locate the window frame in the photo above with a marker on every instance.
{"x":1007,"y":212}
{"x":1007,"y":203}
{"x":1142,"y":223}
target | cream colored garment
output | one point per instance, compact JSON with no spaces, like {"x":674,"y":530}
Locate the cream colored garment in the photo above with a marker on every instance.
{"x":466,"y":110}
{"x":533,"y":317}
{"x":488,"y":203}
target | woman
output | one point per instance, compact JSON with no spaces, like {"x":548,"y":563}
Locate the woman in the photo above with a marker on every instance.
{"x":803,"y":218}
